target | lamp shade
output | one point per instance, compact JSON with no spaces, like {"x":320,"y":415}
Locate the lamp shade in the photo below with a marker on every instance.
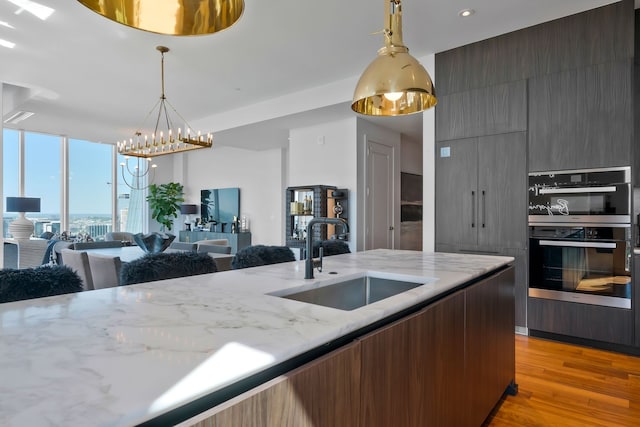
{"x":23,"y":204}
{"x":188,"y":209}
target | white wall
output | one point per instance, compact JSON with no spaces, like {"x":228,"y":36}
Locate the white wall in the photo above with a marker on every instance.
{"x":411,"y":155}
{"x":258,"y":174}
{"x":429,"y":165}
{"x":326,"y":155}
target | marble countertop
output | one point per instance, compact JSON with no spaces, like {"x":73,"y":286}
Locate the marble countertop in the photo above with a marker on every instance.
{"x":121,"y":356}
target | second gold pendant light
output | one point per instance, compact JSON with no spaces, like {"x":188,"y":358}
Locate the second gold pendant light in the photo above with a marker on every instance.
{"x":395,"y":83}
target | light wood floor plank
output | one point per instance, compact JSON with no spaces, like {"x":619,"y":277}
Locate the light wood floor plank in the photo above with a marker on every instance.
{"x":566,"y":385}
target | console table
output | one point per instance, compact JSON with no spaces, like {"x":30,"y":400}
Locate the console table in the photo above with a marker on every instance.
{"x":237,"y":241}
{"x":24,"y":253}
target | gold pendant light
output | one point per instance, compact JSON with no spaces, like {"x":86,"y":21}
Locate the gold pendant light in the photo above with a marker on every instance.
{"x":395,"y":83}
{"x":172,"y":17}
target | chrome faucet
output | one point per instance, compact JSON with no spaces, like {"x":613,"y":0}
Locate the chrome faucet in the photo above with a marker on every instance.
{"x":310,"y":263}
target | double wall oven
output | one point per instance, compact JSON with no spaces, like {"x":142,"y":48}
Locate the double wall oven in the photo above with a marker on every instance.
{"x":580,"y":241}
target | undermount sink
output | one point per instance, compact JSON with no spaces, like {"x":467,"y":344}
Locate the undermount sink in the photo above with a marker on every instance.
{"x":356,"y":292}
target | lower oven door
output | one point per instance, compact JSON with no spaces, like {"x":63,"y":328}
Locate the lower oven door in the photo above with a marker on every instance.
{"x":581,"y":264}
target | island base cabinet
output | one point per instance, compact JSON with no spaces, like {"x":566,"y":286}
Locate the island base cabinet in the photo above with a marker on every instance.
{"x":324,"y":392}
{"x":489,"y":343}
{"x":413,"y":370}
{"x":446,"y":364}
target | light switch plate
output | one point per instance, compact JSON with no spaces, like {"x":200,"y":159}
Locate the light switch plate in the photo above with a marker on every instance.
{"x":445,"y":151}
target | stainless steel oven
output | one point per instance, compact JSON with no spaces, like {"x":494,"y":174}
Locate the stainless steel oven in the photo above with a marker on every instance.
{"x":588,"y":196}
{"x":589,"y":265}
{"x":580,"y":241}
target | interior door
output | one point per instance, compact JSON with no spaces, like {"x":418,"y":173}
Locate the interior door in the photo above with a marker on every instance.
{"x":457,"y":192}
{"x":380,"y":200}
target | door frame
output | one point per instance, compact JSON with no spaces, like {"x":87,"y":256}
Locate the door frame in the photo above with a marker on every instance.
{"x":392,"y":140}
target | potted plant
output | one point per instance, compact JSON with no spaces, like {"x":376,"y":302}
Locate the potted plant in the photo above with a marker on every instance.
{"x":164,"y":202}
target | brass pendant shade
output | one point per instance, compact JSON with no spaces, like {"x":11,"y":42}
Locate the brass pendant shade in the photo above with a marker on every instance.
{"x":171,"y":17}
{"x":395,"y":83}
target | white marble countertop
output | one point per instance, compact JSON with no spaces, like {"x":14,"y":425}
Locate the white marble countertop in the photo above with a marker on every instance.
{"x":121,"y":356}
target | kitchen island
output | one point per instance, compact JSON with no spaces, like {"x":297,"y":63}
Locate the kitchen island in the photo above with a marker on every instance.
{"x":161,"y":352}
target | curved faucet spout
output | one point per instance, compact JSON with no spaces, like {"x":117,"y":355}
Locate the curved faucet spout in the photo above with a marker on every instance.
{"x":309,"y":264}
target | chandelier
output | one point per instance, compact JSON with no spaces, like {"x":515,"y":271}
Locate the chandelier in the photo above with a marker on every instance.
{"x":167,"y":141}
{"x":141,"y":176}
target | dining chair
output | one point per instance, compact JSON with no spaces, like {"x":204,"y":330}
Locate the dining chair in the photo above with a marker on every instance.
{"x":120,"y":236}
{"x":78,"y":262}
{"x":216,"y":249}
{"x":330,"y":247}
{"x":182,"y":246}
{"x":163,"y":265}
{"x":253,"y":256}
{"x":105,"y":270}
{"x":97,"y":245}
{"x":44,"y":281}
{"x":58,"y":247}
{"x":221,"y":242}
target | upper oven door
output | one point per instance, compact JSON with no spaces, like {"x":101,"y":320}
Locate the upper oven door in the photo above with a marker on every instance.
{"x":593,"y":196}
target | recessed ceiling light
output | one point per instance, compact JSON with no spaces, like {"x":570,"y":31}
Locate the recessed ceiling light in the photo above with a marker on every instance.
{"x":7,"y":43}
{"x":18,"y":117}
{"x":466,"y":12}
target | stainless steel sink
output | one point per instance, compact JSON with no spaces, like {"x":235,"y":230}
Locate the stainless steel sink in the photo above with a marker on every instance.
{"x":355,"y":292}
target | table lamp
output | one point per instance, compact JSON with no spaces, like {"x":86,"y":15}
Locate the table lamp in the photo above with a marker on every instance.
{"x":188,"y":210}
{"x":21,"y":228}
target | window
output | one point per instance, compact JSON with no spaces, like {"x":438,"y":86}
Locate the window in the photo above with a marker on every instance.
{"x":42,"y":178}
{"x":10,"y":174}
{"x":90,"y":184}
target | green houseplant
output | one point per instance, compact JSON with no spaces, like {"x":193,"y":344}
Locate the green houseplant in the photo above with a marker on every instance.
{"x":164,"y":202}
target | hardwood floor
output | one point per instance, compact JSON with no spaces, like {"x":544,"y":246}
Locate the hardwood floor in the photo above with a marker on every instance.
{"x":567,"y":385}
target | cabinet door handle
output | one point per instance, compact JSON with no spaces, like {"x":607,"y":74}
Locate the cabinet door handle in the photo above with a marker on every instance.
{"x":473,"y":209}
{"x":484,"y":208}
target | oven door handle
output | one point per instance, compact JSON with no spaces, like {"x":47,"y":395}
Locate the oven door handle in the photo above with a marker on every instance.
{"x":578,"y":190}
{"x":565,"y":243}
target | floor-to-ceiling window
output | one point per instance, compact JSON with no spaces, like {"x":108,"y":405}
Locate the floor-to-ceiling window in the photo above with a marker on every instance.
{"x":90,"y":185}
{"x":42,"y":179}
{"x":90,"y":181}
{"x":10,"y":165}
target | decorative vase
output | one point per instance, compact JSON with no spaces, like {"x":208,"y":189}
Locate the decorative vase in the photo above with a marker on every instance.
{"x":155,"y":242}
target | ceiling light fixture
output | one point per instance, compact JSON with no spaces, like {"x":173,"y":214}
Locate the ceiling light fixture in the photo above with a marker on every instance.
{"x":466,"y":12}
{"x":17,"y":117}
{"x":395,"y":83}
{"x":161,"y":143}
{"x":171,"y":17}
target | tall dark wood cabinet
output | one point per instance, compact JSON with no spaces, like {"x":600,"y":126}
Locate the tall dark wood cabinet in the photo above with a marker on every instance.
{"x":481,"y":201}
{"x":567,"y":86}
{"x":581,"y":118}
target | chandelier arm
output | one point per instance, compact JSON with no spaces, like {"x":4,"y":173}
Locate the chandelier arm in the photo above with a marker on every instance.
{"x":178,"y":114}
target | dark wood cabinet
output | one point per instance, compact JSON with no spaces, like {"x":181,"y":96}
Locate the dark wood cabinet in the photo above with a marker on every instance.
{"x":592,"y":322}
{"x":486,"y":111}
{"x":413,"y":370}
{"x":325,"y":392}
{"x":481,"y":192}
{"x":581,"y":118}
{"x":447,"y":365}
{"x":489,"y":344}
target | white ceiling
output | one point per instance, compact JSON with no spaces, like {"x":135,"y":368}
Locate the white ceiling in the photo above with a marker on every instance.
{"x":90,"y":78}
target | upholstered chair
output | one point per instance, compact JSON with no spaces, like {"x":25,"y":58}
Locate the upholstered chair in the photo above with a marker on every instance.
{"x":120,"y":236}
{"x":166,"y":265}
{"x":44,"y":281}
{"x":216,"y":249}
{"x":79,"y":262}
{"x":330,"y":247}
{"x":182,"y":246}
{"x":105,"y":270}
{"x":253,"y":256}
